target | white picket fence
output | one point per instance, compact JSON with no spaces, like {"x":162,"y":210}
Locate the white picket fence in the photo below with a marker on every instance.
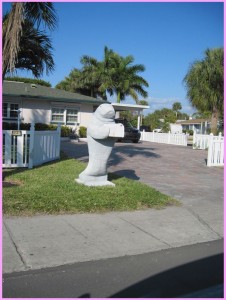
{"x":214,"y":145}
{"x":30,"y":148}
{"x":165,"y":138}
{"x":200,"y":141}
{"x":215,"y":151}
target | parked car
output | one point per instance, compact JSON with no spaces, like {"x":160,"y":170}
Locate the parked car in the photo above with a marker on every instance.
{"x":145,"y":128}
{"x":131,"y":133}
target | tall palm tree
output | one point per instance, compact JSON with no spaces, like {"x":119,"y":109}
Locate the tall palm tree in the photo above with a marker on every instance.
{"x":37,"y":13}
{"x":114,"y":74}
{"x":176,"y":107}
{"x":121,"y":76}
{"x":204,"y":82}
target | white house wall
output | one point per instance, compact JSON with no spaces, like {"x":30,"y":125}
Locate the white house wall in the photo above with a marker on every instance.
{"x":86,"y":114}
{"x":36,"y":111}
{"x":39,"y":111}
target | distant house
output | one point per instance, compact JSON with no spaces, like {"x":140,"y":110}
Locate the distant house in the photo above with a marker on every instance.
{"x":41,"y":104}
{"x":199,"y":126}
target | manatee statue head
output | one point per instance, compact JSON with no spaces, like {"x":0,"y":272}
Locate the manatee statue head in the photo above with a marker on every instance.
{"x":105,"y":113}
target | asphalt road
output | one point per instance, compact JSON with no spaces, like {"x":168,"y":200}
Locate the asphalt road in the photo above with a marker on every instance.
{"x":189,"y":271}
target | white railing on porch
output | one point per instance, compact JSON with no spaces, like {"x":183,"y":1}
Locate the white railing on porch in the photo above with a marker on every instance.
{"x":31,"y":148}
{"x":215,"y":151}
{"x":165,"y":138}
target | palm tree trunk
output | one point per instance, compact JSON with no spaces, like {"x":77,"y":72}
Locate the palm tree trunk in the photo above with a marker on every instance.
{"x":11,"y":37}
{"x":214,"y":120}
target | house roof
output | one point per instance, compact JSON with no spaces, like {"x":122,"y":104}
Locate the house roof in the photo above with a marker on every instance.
{"x":193,"y":121}
{"x":35,"y":91}
{"x":131,"y":107}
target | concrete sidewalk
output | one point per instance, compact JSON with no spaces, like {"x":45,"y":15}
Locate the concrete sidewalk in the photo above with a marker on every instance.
{"x":47,"y":241}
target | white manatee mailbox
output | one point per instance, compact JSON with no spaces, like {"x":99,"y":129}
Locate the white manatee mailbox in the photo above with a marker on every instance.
{"x":102,"y":133}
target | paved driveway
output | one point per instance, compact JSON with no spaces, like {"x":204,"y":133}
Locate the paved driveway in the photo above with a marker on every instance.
{"x":177,"y":171}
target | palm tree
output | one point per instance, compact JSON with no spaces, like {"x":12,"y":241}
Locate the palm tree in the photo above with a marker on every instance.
{"x":176,"y":107}
{"x":204,"y":83}
{"x":123,"y":78}
{"x":114,"y":74}
{"x":35,"y":12}
{"x":35,"y":51}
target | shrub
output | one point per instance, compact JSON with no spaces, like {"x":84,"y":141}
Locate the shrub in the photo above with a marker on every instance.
{"x":65,"y":131}
{"x":82,"y":131}
{"x":189,"y":131}
{"x":9,"y":126}
{"x":42,"y":126}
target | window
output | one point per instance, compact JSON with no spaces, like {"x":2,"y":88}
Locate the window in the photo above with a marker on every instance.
{"x":13,"y":110}
{"x":5,"y":109}
{"x":71,"y":116}
{"x":10,"y":110}
{"x":67,"y":116}
{"x":57,"y":115}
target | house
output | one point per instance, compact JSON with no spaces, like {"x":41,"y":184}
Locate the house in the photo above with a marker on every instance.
{"x":199,"y":126}
{"x":40,"y":104}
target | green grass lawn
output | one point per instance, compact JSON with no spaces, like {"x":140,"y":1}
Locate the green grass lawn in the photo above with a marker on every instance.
{"x":51,"y":189}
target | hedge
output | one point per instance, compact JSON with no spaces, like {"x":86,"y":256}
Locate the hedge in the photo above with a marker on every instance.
{"x":65,"y":130}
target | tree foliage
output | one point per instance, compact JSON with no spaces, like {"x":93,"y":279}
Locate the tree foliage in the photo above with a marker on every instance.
{"x":204,"y":82}
{"x":162,"y":118}
{"x":114,"y":75}
{"x":176,"y":107}
{"x":27,"y":16}
{"x":29,"y":80}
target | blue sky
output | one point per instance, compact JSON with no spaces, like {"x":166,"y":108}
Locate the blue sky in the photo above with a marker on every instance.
{"x":165,"y":37}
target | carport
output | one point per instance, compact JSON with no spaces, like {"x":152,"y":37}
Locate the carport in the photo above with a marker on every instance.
{"x":131,"y":107}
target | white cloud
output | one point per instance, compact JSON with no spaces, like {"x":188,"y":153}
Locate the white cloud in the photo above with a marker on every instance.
{"x":159,"y":103}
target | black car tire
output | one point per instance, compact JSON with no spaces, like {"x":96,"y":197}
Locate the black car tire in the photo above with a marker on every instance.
{"x":135,"y":141}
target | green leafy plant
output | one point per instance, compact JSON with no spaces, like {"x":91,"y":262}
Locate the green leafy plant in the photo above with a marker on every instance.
{"x":65,"y":130}
{"x":82,"y":131}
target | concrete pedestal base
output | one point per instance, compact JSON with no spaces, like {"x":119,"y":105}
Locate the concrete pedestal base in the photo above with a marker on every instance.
{"x":95,"y":183}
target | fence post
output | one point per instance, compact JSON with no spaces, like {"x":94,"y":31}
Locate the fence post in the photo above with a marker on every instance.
{"x":168,"y":140}
{"x":210,"y":151}
{"x":31,"y":146}
{"x":58,"y":142}
{"x":194,"y":139}
{"x":142,"y":135}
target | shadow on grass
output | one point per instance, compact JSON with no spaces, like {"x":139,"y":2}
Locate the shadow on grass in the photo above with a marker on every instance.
{"x":128,"y":173}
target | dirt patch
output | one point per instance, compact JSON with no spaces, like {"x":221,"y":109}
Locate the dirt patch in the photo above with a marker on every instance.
{"x":11,"y":183}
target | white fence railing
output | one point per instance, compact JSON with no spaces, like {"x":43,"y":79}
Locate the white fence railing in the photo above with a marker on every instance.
{"x":165,"y":138}
{"x":30,"y":148}
{"x":215,"y":151}
{"x":200,"y":141}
